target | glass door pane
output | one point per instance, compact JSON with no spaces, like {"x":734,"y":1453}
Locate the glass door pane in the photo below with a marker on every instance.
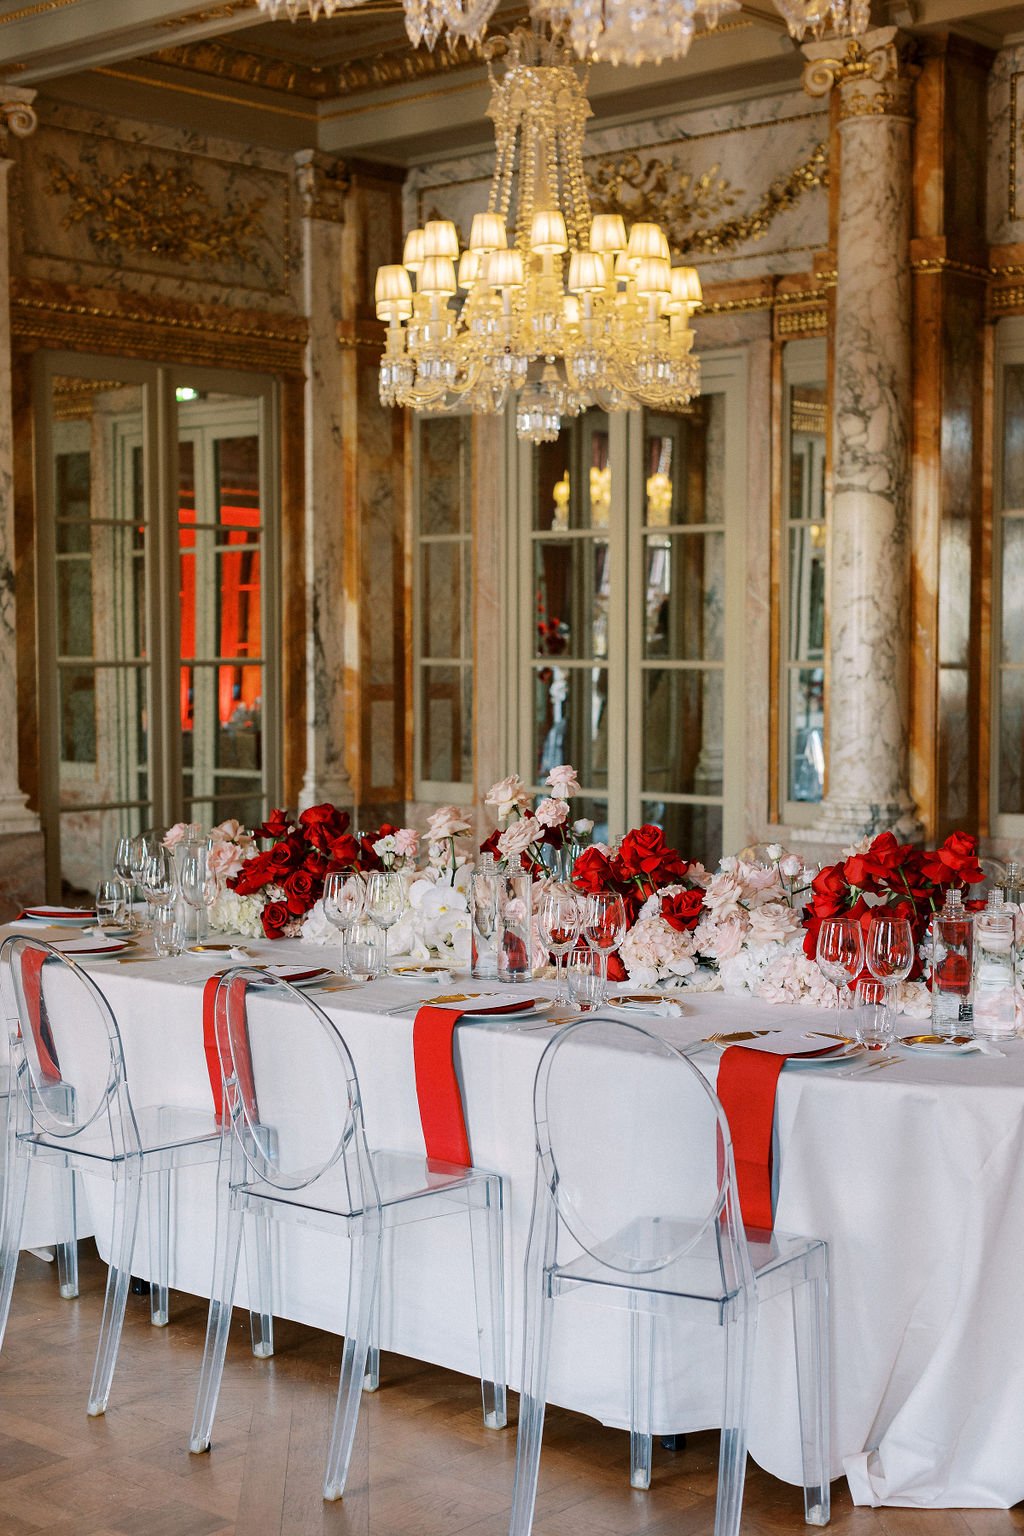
{"x":97,"y":582}
{"x":221,"y":539}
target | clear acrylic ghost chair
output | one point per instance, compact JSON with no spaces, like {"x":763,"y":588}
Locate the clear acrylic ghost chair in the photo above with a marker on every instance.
{"x":297,"y":1153}
{"x":71,"y":1109}
{"x":636,"y":1207}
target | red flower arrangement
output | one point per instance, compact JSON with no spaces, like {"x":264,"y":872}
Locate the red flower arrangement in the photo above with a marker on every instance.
{"x":292,"y":870}
{"x":907,"y":882}
{"x":643,"y":865}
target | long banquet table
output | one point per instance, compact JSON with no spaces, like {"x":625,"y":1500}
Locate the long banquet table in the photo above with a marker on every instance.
{"x":914,"y":1175}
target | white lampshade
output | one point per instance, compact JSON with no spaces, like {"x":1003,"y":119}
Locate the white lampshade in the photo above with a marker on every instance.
{"x":487,"y":233}
{"x":505,"y":269}
{"x":653,"y":277}
{"x":608,"y":233}
{"x":437,"y":277}
{"x":392,"y":286}
{"x":586,"y":272}
{"x":547,"y":233}
{"x":440,"y":238}
{"x":469,"y":269}
{"x":686,"y":290}
{"x":645,"y":241}
{"x":412,"y":255}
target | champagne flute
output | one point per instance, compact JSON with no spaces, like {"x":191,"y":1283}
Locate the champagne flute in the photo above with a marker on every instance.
{"x":558,"y":925}
{"x":344,"y":898}
{"x":385,"y":903}
{"x":138,"y":858}
{"x":604,"y":926}
{"x":123,"y":871}
{"x":197,"y":882}
{"x":840,"y":952}
{"x":890,"y":954}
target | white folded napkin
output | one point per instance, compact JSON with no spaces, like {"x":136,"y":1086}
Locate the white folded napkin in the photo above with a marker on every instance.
{"x":240,"y":953}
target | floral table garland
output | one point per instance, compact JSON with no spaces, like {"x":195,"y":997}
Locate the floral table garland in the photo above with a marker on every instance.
{"x":749,"y":927}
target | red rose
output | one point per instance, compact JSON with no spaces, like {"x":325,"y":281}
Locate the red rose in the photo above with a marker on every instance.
{"x":302,"y":891}
{"x":277,"y":824}
{"x":645,"y":856}
{"x":592,"y":871}
{"x":490,"y":844}
{"x":344,"y":853}
{"x":682,"y":911}
{"x":285,"y":856}
{"x":616,"y":970}
{"x":252,"y":877}
{"x":315,"y":864}
{"x":274,"y":917}
{"x":323,"y":824}
{"x":956,"y":860}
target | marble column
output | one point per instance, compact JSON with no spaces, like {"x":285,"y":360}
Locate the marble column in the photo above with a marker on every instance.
{"x":322,"y":184}
{"x":21,"y":847}
{"x":869,"y":549}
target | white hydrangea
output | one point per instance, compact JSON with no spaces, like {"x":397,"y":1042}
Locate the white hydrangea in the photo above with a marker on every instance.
{"x":232,"y":913}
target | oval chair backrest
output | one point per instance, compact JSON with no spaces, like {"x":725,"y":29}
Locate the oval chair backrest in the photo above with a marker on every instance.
{"x":66,"y":1053}
{"x":290,"y":1087}
{"x":636,"y":1153}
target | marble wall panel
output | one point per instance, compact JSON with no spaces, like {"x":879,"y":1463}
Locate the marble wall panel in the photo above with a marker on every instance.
{"x":708,"y":170}
{"x":173,"y":214}
{"x":1006,"y":148}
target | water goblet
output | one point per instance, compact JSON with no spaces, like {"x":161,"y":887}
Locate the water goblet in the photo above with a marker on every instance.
{"x":108,"y":903}
{"x":366,"y":946}
{"x":890,"y":954}
{"x":840,"y":952}
{"x":197,"y":882}
{"x":385,"y":903}
{"x":158,"y":885}
{"x":558,"y":926}
{"x":604,"y":925}
{"x":344,"y":896}
{"x":168,"y":929}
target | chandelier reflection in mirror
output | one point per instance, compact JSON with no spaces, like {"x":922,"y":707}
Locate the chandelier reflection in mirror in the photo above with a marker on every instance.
{"x":612,"y":31}
{"x":561,"y":310}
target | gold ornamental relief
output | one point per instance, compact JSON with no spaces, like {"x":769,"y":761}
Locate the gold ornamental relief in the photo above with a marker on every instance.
{"x":161,"y":212}
{"x":658,"y":191}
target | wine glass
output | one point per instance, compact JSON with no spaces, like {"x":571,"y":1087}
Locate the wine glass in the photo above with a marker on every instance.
{"x":344,"y":896}
{"x":840,"y":952}
{"x":385,"y":903}
{"x":604,"y":926}
{"x":890,"y":954}
{"x":157,"y":877}
{"x":123,"y":871}
{"x":138,"y":857}
{"x":197,"y":881}
{"x":558,"y":926}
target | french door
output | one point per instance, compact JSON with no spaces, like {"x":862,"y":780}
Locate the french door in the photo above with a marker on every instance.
{"x":628,"y":614}
{"x":157,"y":602}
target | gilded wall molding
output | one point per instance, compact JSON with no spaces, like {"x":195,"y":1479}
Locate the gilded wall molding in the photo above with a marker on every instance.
{"x":675,"y":199}
{"x":162,"y":211}
{"x":875,"y":75}
{"x":322,"y":183}
{"x":48,"y":315}
{"x":802,"y":322}
{"x":17,"y":114}
{"x":41,"y":8}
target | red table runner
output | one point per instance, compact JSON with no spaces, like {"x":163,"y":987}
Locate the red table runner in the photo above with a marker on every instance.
{"x":437,"y":1088}
{"x":748,"y":1080}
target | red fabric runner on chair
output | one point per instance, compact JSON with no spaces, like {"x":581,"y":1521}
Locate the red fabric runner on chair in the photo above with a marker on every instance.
{"x":437,"y":1087}
{"x":748,"y":1080}
{"x":215,"y":1027}
{"x":32,"y":962}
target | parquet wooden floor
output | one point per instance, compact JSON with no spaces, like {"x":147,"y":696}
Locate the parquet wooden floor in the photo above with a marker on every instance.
{"x":424,"y":1464}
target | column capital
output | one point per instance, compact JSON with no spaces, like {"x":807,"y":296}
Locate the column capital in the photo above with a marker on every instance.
{"x":17,"y":114}
{"x":322,"y":182}
{"x":875,"y":74}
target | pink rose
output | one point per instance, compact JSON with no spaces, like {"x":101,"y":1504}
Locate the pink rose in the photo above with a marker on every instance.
{"x":563,"y":781}
{"x":229,"y":832}
{"x":774,"y":922}
{"x":174,"y":835}
{"x":552,"y":813}
{"x":724,"y":894}
{"x":446,"y":821}
{"x":722,"y":940}
{"x":518,"y":837}
{"x":224,"y":860}
{"x":407,"y":842}
{"x":791,"y":866}
{"x":507,"y":795}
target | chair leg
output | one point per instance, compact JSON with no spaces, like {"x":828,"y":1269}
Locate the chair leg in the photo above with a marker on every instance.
{"x":486,"y":1231}
{"x":259,"y":1267}
{"x":363,"y":1279}
{"x":67,"y":1231}
{"x":127,"y":1192}
{"x":371,"y":1375}
{"x":532,"y":1402}
{"x":641,"y":1346}
{"x":15,"y":1191}
{"x":218,"y":1323}
{"x":158,"y":1192}
{"x":810,"y":1338}
{"x":732,"y":1457}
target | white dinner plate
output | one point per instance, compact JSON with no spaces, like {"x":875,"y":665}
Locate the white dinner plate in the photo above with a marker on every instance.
{"x":61,"y":917}
{"x":520,"y":1011}
{"x":850,"y":1051}
{"x":76,"y":947}
{"x":301,"y":975}
{"x":414,"y":970}
{"x":937,"y":1045}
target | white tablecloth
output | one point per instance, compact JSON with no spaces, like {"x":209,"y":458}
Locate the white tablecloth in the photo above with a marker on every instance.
{"x":914,"y":1176}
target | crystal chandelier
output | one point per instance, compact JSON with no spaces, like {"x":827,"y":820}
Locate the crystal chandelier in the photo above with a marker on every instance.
{"x":609,"y":31}
{"x":561,"y":310}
